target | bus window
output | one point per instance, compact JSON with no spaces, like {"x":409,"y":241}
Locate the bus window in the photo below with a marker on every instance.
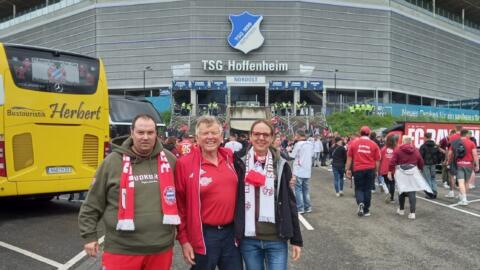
{"x":51,"y":71}
{"x":124,"y":109}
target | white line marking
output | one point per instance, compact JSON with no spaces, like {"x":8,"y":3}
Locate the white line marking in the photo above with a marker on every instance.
{"x":450,"y":206}
{"x":78,"y":257}
{"x":477,"y":200}
{"x":305,"y":223}
{"x":31,"y":255}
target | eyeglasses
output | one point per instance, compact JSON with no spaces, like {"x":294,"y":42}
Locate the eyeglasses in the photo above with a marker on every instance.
{"x":258,"y":134}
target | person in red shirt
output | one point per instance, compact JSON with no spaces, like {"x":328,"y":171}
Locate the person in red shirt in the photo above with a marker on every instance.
{"x":365,"y":155}
{"x":206,"y":184}
{"x":185,"y":145}
{"x":387,"y":154}
{"x":465,"y":164}
{"x":451,"y":139}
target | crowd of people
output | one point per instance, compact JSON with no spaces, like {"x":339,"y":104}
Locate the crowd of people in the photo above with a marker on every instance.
{"x":235,"y":203}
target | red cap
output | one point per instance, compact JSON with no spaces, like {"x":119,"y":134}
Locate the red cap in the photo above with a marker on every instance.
{"x":365,"y":130}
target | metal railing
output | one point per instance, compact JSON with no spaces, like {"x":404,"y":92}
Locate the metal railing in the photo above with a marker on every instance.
{"x":37,"y":11}
{"x":443,"y":14}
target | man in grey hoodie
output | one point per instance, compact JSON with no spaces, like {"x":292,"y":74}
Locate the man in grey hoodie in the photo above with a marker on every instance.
{"x":146,"y":241}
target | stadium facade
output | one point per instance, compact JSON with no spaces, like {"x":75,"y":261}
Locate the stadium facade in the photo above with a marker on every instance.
{"x":360,"y":51}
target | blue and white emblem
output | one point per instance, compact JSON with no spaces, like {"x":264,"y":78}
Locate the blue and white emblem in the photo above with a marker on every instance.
{"x":245,"y":35}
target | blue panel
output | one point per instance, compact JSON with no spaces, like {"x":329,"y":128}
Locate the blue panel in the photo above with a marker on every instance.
{"x":314,"y":85}
{"x":276,"y":85}
{"x":435,"y":112}
{"x":180,"y":85}
{"x":161,"y":103}
{"x":200,"y":85}
{"x":296,"y":85}
{"x":219,"y":85}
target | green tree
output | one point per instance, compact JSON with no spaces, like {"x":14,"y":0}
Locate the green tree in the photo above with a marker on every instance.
{"x":347,"y":123}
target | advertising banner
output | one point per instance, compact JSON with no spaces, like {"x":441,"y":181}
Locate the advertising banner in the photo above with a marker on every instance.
{"x":438,"y":130}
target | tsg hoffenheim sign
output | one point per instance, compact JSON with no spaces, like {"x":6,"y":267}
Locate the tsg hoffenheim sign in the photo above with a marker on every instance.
{"x":245,"y":35}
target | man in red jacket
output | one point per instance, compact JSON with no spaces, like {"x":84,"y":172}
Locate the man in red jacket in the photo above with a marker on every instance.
{"x":365,"y":155}
{"x":206,"y":184}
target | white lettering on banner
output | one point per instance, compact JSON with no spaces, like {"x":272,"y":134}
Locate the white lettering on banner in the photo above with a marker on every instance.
{"x":418,"y":135}
{"x":244,"y":65}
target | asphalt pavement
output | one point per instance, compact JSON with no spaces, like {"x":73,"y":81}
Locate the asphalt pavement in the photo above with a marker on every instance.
{"x":444,"y":235}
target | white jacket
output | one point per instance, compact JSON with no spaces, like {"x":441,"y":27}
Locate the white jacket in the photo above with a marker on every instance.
{"x":303,"y":153}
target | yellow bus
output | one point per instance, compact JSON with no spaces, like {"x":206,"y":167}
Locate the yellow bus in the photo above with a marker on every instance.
{"x":53,"y":121}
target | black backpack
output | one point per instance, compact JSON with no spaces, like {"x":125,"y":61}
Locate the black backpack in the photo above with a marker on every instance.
{"x":431,"y":155}
{"x":459,"y":148}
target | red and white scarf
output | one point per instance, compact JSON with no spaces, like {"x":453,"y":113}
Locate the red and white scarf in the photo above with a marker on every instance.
{"x":126,"y":198}
{"x":267,"y":191}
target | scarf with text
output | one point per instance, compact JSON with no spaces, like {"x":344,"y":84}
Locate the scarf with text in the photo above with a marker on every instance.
{"x":126,"y":198}
{"x":267,"y":198}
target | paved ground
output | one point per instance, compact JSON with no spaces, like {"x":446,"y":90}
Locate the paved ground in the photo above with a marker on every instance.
{"x":444,"y":236}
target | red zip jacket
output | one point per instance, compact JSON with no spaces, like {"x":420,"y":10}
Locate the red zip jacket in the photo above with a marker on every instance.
{"x":187,"y":177}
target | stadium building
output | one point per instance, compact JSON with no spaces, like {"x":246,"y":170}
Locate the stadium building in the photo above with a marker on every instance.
{"x":249,"y":55}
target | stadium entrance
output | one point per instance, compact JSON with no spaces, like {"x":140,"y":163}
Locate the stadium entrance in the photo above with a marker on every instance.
{"x":249,"y":96}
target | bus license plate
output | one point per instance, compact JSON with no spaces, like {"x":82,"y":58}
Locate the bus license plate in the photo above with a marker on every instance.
{"x":59,"y":169}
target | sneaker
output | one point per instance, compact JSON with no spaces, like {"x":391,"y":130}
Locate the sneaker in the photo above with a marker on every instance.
{"x":360,"y":210}
{"x":387,"y":199}
{"x":445,"y":185}
{"x":392,"y":200}
{"x":450,"y":194}
{"x":400,"y":212}
{"x":463,"y":202}
{"x":309,"y":210}
{"x":471,"y":186}
{"x":367,"y":214}
{"x":341,"y":193}
{"x":337,"y":194}
{"x":373,"y":191}
{"x":411,"y":216}
{"x":300,"y":211}
{"x":385,"y":188}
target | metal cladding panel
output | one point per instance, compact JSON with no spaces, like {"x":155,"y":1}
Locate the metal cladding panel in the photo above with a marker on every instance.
{"x":370,"y":48}
{"x":75,"y":33}
{"x":160,"y":35}
{"x":432,"y":62}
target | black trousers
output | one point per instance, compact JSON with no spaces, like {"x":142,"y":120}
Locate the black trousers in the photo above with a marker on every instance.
{"x":411,"y":199}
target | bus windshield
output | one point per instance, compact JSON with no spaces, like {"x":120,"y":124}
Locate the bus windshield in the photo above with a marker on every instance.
{"x":125,"y":109}
{"x":52,"y":71}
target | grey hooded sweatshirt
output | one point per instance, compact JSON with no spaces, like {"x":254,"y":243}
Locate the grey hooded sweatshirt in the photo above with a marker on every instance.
{"x":150,"y":235}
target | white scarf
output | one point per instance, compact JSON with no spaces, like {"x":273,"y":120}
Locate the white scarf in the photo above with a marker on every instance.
{"x":267,"y":191}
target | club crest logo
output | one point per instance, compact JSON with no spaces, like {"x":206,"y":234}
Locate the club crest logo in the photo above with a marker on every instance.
{"x":245,"y":35}
{"x":169,"y":195}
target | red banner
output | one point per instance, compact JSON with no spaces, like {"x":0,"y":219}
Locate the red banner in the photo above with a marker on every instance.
{"x":438,"y":130}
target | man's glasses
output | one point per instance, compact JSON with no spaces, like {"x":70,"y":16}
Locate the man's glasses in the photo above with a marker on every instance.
{"x":258,"y":134}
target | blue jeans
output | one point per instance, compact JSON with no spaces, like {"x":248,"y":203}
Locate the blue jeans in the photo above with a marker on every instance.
{"x":221,"y":250}
{"x":257,"y":253}
{"x":364,"y":183}
{"x":338,"y":178}
{"x":429,"y":172}
{"x":302,"y":194}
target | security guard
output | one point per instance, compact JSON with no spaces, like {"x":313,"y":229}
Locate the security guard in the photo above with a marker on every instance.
{"x":215,"y":108}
